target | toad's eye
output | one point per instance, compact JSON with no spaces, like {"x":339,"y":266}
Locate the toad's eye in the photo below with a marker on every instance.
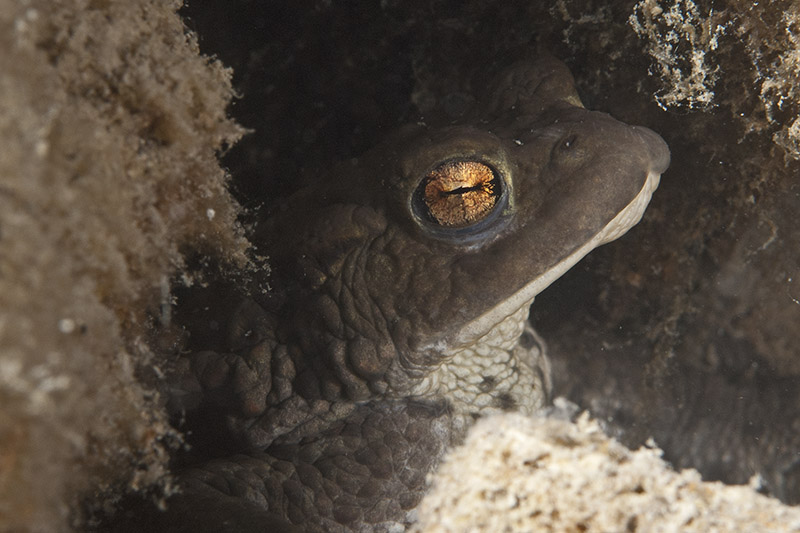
{"x":458,"y":194}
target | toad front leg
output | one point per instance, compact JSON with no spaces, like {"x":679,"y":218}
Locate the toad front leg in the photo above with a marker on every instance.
{"x":364,"y":473}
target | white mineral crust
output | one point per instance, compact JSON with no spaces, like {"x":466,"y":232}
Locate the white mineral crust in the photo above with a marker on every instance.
{"x":516,"y":473}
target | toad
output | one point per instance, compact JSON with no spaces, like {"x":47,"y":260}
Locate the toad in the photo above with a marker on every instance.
{"x":397,"y":314}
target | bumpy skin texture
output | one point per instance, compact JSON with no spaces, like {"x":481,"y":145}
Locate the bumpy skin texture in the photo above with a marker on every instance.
{"x":385,"y":335}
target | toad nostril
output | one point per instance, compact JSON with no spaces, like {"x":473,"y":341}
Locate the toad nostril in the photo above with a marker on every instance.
{"x":569,"y":142}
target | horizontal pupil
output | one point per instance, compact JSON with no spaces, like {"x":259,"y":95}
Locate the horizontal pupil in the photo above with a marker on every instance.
{"x":462,"y":190}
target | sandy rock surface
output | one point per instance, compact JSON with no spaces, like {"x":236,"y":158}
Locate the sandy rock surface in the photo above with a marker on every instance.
{"x":518,"y":474}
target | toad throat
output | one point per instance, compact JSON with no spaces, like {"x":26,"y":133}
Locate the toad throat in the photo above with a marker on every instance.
{"x":488,"y":367}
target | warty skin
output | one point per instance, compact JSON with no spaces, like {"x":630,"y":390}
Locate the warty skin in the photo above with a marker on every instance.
{"x":386,"y":334}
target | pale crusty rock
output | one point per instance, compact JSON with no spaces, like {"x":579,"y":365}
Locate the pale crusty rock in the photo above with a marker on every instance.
{"x":516,"y":473}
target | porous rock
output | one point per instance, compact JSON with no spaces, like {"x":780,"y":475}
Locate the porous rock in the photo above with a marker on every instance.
{"x":518,"y":474}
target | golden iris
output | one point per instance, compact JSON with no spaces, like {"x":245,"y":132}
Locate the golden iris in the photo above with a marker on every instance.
{"x":460,"y":193}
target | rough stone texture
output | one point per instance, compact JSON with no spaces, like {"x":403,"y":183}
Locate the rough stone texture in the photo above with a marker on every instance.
{"x":110,"y":123}
{"x":544,"y":474}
